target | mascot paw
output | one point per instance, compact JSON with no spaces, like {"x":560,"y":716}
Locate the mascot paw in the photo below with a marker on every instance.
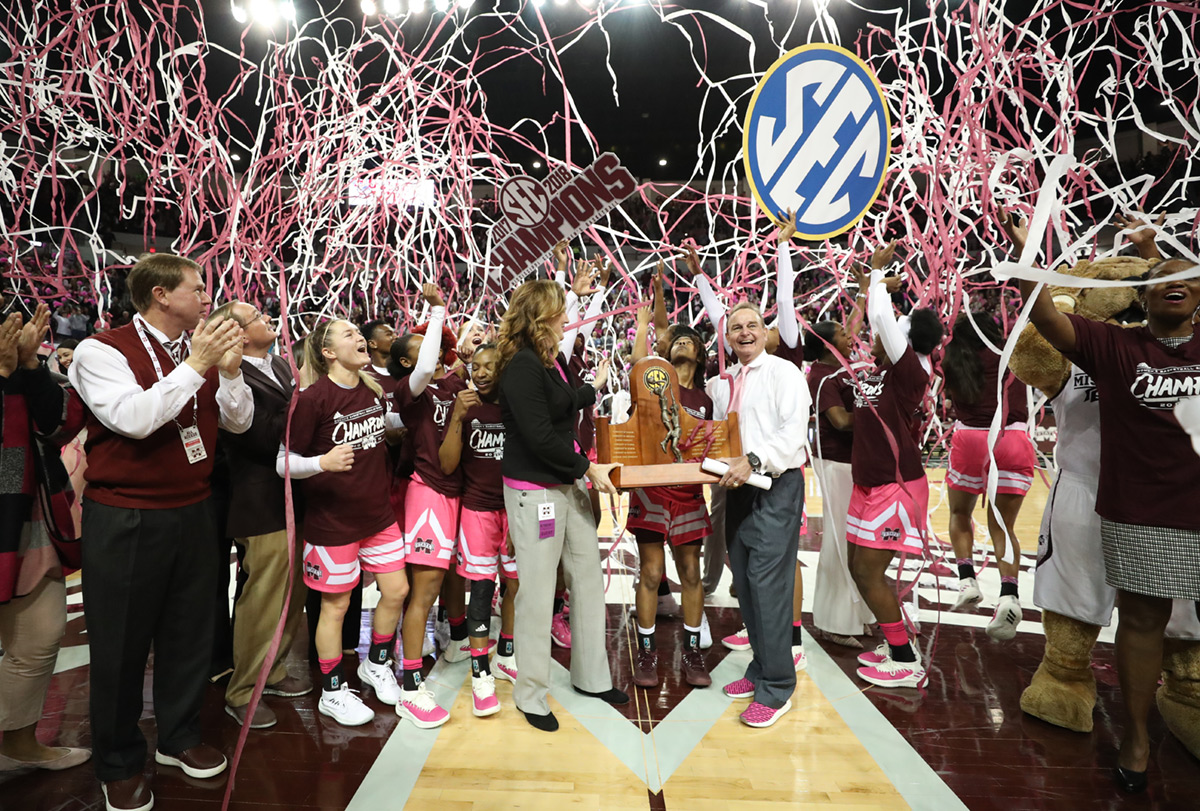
{"x":1179,"y":696}
{"x":1182,"y":719}
{"x":1066,"y":704}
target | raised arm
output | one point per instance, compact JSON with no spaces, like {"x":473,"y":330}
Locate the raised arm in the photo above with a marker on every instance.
{"x":785,"y":275}
{"x":581,"y":286}
{"x":1141,"y":236}
{"x":427,"y":358}
{"x":712,"y":305}
{"x":1053,"y":325}
{"x":643,"y":332}
{"x":882,"y":316}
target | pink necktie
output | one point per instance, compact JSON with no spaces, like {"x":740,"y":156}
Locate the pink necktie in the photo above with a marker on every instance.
{"x":739,"y":383}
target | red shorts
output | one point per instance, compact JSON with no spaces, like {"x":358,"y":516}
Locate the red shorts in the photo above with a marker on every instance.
{"x":482,"y":537}
{"x":676,"y":513}
{"x":889,"y":516}
{"x":336,"y":569}
{"x":430,"y":526}
{"x":969,"y":461}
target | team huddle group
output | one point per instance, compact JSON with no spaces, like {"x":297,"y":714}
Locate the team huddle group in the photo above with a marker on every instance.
{"x":440,"y":461}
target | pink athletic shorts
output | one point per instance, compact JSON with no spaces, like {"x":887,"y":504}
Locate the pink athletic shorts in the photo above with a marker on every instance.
{"x":969,"y":461}
{"x":676,"y":513}
{"x":430,"y":526}
{"x":482,"y":537}
{"x":336,"y":569}
{"x":889,"y":516}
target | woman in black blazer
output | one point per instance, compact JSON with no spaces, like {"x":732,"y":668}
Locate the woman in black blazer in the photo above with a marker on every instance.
{"x":549,"y":514}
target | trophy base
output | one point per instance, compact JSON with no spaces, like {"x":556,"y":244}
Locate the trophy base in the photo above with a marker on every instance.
{"x":628,"y":477}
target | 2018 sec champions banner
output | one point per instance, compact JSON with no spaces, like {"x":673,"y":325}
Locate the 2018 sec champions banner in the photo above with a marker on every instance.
{"x":816,"y":140}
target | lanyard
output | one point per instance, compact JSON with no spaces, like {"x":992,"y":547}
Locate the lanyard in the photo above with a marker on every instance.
{"x":187,"y":346}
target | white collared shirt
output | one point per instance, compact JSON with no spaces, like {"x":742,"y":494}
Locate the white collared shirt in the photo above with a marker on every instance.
{"x":266,"y":366}
{"x":105,"y":382}
{"x":775,"y":411}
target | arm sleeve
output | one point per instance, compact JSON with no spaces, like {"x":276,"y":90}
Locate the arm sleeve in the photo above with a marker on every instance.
{"x":236,"y":403}
{"x":427,"y":358}
{"x":714,"y":308}
{"x":107,"y":386}
{"x":793,"y":404}
{"x":299,"y":467}
{"x":789,"y":327}
{"x":568,"y":339}
{"x":523,"y":387}
{"x":882,"y":317}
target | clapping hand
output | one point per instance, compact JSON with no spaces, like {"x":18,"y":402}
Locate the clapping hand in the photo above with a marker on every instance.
{"x":31,"y":337}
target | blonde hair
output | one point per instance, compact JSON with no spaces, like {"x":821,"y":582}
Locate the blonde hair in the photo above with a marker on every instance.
{"x":315,"y":363}
{"x":153,"y":270}
{"x":526,"y":322}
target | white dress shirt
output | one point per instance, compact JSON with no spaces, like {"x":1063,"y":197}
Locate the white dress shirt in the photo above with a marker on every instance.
{"x":775,"y":411}
{"x":105,"y":382}
{"x":266,"y":366}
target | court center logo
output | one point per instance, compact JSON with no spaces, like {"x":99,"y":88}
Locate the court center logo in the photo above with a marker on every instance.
{"x":816,"y":140}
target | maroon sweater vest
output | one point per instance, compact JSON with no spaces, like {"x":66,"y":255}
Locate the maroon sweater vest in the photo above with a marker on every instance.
{"x":151,"y":473}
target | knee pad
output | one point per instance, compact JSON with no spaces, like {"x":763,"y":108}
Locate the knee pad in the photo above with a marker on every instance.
{"x":479,"y":609}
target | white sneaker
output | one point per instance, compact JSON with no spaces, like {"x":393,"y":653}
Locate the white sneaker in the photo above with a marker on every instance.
{"x":382,"y":680}
{"x":1003,"y":626}
{"x":441,"y":633}
{"x":457,"y":650}
{"x":705,"y":632}
{"x":668,"y":606}
{"x":505,"y":667}
{"x":799,"y":660}
{"x":484,"y":701}
{"x":969,"y":594}
{"x":344,"y":706}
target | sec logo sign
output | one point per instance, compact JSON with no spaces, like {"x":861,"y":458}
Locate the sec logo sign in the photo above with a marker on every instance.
{"x":523,"y":200}
{"x":816,"y":139}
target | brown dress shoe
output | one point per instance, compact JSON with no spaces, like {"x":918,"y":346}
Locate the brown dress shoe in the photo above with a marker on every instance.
{"x":289,"y":687}
{"x":694,"y":671}
{"x":201,"y":760}
{"x":645,"y":668}
{"x":263,"y":718}
{"x":131,"y":794}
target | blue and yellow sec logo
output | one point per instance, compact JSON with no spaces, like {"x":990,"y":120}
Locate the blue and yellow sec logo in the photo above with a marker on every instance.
{"x":816,"y":139}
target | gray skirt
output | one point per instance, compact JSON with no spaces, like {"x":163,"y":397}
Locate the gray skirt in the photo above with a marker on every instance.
{"x":1155,"y":561}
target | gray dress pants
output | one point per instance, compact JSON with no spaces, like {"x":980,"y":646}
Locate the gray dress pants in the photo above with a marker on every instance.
{"x":540,"y":542}
{"x":762,"y":528}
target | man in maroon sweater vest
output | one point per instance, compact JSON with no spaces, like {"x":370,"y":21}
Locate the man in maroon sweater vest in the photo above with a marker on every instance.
{"x":155,"y":401}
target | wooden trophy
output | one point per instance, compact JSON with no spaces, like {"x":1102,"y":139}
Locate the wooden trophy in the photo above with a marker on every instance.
{"x":662,"y":444}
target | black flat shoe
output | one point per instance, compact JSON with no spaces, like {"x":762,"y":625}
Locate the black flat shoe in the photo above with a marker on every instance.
{"x":546,"y":723}
{"x":1129,"y":781}
{"x":612,"y":696}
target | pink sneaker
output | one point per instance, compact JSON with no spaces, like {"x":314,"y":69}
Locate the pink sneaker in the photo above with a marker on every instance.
{"x":560,"y":629}
{"x":738,"y":641}
{"x":876,"y":657}
{"x":491,"y":646}
{"x":420,"y":707}
{"x":483,"y":694}
{"x":894,"y":674}
{"x":760,"y":715}
{"x":505,"y":667}
{"x":799,"y":660}
{"x":742,"y":688}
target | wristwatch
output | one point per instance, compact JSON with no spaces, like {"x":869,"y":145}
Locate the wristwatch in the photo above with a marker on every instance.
{"x":755,"y":462}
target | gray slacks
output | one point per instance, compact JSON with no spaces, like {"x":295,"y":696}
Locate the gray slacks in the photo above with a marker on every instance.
{"x":539,"y":545}
{"x":762,"y":528}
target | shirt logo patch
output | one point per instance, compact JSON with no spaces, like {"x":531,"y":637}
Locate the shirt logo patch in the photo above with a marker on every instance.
{"x":1163,"y":388}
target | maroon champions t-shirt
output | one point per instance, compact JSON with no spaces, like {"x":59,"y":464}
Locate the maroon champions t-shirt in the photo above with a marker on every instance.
{"x":482,"y":455}
{"x":426,"y":417}
{"x":829,"y":386}
{"x":580,"y":374}
{"x":896,"y":392}
{"x":1149,"y":474}
{"x":342,"y":508}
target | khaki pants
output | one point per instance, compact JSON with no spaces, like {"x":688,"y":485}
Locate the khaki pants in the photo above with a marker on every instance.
{"x":571,"y":537}
{"x":258,"y":611}
{"x":30,"y":629}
